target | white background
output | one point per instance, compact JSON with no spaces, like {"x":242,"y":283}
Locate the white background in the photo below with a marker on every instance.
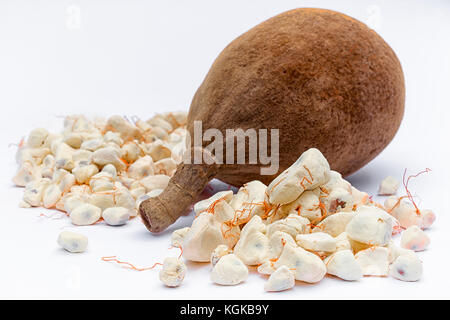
{"x":130,"y":57}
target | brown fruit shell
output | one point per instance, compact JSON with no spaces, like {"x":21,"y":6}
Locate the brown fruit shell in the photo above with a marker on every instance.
{"x":325,"y":80}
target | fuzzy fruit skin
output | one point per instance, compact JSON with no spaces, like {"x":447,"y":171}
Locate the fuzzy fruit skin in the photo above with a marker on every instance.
{"x":324,"y":79}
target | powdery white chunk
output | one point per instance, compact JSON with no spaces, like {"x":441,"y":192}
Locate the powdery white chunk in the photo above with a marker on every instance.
{"x":308,"y":172}
{"x":222,"y":211}
{"x":202,"y":238}
{"x":67,"y":182}
{"x":137,"y":192}
{"x":47,"y":172}
{"x":306,"y":205}
{"x":116,"y":216}
{"x":73,"y":139}
{"x":407,"y":215}
{"x":72,"y":201}
{"x":102,"y":200}
{"x":108,"y":155}
{"x":388,"y":186}
{"x":158,"y":181}
{"x":337,"y":200}
{"x":371,"y":225}
{"x":82,"y":157}
{"x":79,"y":190}
{"x":102,"y":181}
{"x":92,"y":145}
{"x":85,"y":214}
{"x":177,"y":137}
{"x":397,"y":228}
{"x":336,"y":194}
{"x":123,"y":198}
{"x":336,"y":182}
{"x":126,"y":129}
{"x":277,"y":241}
{"x":319,"y":241}
{"x":131,"y":151}
{"x":133,"y":213}
{"x":342,"y":242}
{"x":26,"y":173}
{"x":63,"y":157}
{"x":342,"y":264}
{"x":292,"y":224}
{"x":158,"y":121}
{"x":219,"y":252}
{"x":51,"y":196}
{"x":36,"y":138}
{"x":395,"y":252}
{"x":24,"y":204}
{"x":116,"y":147}
{"x":251,"y":199}
{"x":203,"y":205}
{"x":72,"y":242}
{"x":176,"y":119}
{"x":165,"y":166}
{"x":178,"y":151}
{"x":153,"y":134}
{"x":406,"y":268}
{"x":129,"y":183}
{"x":305,"y":265}
{"x":48,"y":161}
{"x":309,"y":203}
{"x":335,"y":224}
{"x":414,"y":239}
{"x":403,"y":211}
{"x":178,"y":236}
{"x":34,"y":191}
{"x":173,"y":272}
{"x":280,"y":280}
{"x":112,"y":139}
{"x":360,"y":198}
{"x":428,"y":218}
{"x":157,"y":150}
{"x":32,"y":155}
{"x":253,"y":245}
{"x":267,"y":267}
{"x":54,"y":144}
{"x":84,"y":173}
{"x":374,"y":261}
{"x":143,"y":125}
{"x":142,"y":168}
{"x":110,"y":169}
{"x":50,"y":138}
{"x":64,"y":180}
{"x":229,"y":271}
{"x":224,"y":214}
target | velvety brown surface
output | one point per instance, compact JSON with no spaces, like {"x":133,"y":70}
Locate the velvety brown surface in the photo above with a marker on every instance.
{"x":324,"y":79}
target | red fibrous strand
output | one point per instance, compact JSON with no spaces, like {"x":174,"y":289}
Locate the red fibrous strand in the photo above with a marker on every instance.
{"x":127,"y":264}
{"x":406,"y":182}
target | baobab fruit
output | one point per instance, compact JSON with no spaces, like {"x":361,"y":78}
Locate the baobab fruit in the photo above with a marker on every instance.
{"x":323,"y":79}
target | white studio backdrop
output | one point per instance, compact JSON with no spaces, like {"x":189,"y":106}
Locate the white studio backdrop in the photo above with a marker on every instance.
{"x":105,"y":57}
